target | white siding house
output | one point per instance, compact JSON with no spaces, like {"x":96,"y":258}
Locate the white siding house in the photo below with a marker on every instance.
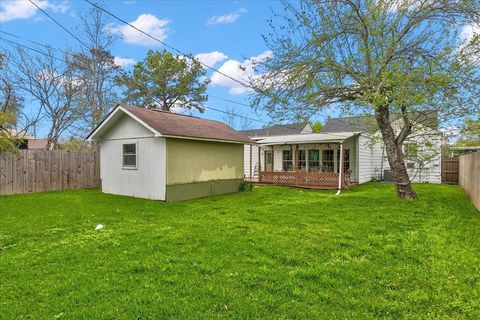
{"x":365,"y":153}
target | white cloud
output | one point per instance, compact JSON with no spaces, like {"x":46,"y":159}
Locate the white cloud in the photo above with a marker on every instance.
{"x":228,"y":18}
{"x":211,"y":58}
{"x":148,"y":23}
{"x":242,"y":71}
{"x":24,"y":9}
{"x":467,"y":32}
{"x":123,"y":62}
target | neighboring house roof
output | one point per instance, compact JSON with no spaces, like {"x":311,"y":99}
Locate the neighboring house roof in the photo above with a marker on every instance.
{"x":307,"y":138}
{"x":37,"y":144}
{"x":168,"y":124}
{"x":279,"y":129}
{"x":367,"y":123}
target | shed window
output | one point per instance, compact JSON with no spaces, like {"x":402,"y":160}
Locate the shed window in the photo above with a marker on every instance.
{"x":287,"y":159}
{"x":327,"y":161}
{"x":130,"y":155}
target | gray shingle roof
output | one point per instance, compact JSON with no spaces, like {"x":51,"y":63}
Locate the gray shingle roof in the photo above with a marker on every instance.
{"x":276,"y":130}
{"x":368,"y":123}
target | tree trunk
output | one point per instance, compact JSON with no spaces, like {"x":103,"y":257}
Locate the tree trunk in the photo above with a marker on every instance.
{"x":395,"y":155}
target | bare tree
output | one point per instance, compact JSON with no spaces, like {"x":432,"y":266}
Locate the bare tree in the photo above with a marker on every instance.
{"x":50,"y":81}
{"x":230,"y":117}
{"x":94,"y":67}
{"x":397,"y":60}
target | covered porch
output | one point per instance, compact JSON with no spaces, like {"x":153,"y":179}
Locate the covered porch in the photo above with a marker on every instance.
{"x":317,"y":161}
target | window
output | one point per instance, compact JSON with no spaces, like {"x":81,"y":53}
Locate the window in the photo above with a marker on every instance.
{"x":346,"y":159}
{"x":287,"y":160}
{"x":313,"y":160}
{"x":130,"y":156}
{"x":327,"y":161}
{"x":302,"y":161}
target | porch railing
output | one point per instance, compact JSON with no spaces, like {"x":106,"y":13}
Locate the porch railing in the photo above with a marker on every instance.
{"x":307,"y":179}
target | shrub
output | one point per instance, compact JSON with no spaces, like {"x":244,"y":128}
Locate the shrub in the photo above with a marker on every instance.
{"x":246,"y":186}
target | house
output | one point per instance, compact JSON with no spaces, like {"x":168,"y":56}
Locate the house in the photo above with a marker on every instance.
{"x":166,"y":156}
{"x":251,"y":151}
{"x":26,"y":141}
{"x":346,"y":151}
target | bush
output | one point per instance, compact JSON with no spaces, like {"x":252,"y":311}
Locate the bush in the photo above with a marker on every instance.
{"x":246,"y":186}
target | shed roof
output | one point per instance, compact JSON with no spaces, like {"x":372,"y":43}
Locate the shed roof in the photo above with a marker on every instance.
{"x":175,"y":125}
{"x":308,"y":138}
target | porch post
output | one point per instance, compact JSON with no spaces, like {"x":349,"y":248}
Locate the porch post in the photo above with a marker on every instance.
{"x":259,"y":162}
{"x":251,"y":174}
{"x":297,"y":165}
{"x":340,"y":168}
{"x":273,"y":159}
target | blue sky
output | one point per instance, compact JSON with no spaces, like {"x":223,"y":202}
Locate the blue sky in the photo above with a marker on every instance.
{"x":223,"y":34}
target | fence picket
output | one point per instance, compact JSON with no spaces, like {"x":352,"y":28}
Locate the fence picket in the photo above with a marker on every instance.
{"x":47,"y":170}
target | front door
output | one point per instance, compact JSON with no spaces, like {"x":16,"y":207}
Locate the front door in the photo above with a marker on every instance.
{"x":268,"y":160}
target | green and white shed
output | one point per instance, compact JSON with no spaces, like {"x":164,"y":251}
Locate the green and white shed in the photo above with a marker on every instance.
{"x":166,"y":156}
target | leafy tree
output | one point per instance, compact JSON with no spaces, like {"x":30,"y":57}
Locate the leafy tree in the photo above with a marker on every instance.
{"x":316,"y":126}
{"x":397,"y":60}
{"x":165,"y":81}
{"x":470,"y":132}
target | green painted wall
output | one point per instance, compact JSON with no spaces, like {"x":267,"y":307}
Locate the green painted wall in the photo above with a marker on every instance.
{"x":186,"y":191}
{"x":191,"y":161}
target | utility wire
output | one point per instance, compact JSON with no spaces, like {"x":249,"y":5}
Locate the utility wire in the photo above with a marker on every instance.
{"x":166,"y":44}
{"x":31,"y":49}
{"x":59,"y":24}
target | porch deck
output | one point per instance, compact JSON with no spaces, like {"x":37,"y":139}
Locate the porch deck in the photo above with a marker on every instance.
{"x":310,"y":180}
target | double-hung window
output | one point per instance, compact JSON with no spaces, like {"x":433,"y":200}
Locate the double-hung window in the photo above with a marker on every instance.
{"x":346,"y":159}
{"x":287,"y":160}
{"x":129,"y":156}
{"x":314,"y":160}
{"x":302,"y":161}
{"x":327,"y":161}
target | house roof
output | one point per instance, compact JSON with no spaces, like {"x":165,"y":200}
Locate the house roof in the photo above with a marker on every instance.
{"x":307,"y":138}
{"x":168,"y":124}
{"x":277,"y":130}
{"x":367,"y":123}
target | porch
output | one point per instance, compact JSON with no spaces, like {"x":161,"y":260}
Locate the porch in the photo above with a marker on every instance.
{"x":315,"y":161}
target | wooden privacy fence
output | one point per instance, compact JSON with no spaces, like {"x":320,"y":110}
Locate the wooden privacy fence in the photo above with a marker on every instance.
{"x":469,"y":178}
{"x":48,"y":170}
{"x":450,"y":170}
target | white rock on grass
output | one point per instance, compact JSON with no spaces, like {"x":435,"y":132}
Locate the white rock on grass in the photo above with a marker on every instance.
{"x":99,"y":227}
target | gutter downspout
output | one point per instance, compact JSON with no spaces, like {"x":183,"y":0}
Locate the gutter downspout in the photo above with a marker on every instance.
{"x":340,"y":171}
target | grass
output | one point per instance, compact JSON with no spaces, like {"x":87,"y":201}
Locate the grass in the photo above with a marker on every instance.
{"x":274,"y":253}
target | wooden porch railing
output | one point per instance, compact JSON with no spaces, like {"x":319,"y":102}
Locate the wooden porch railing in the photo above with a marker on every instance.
{"x":305,"y":179}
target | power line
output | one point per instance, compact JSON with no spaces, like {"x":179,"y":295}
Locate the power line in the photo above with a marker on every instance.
{"x":59,"y":24}
{"x":31,"y":49}
{"x":165,"y":44}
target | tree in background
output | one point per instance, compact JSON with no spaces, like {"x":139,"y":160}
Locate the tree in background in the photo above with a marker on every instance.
{"x":470,"y":132}
{"x":397,"y":60}
{"x":94,"y":67}
{"x":165,"y":81}
{"x":50,"y":81}
{"x":316,"y":126}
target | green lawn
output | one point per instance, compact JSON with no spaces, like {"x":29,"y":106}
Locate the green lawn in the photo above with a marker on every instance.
{"x":274,"y":253}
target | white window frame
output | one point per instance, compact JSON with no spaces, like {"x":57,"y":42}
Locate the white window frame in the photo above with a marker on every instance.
{"x":129,"y":167}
